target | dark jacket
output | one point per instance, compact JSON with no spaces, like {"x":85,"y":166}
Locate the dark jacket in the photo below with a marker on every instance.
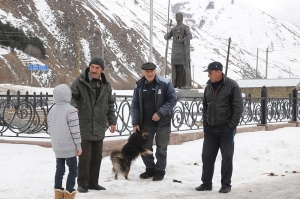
{"x":224,"y":108}
{"x":165,"y":100}
{"x":94,"y":114}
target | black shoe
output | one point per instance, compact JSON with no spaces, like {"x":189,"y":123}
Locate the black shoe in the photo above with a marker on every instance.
{"x":96,"y":187}
{"x":225,"y":189}
{"x":81,"y":189}
{"x":146,"y":175}
{"x":204,"y":187}
{"x":158,"y":177}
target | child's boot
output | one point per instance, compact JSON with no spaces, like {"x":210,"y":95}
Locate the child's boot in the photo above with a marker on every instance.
{"x":69,"y":195}
{"x":59,"y":194}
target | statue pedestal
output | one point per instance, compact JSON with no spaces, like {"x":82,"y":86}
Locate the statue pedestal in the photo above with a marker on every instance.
{"x":189,"y":93}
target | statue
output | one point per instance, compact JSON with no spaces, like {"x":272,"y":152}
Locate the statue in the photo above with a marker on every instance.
{"x":180,"y":57}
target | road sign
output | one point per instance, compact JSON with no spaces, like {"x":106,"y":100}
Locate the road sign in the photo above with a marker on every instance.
{"x":37,"y":67}
{"x":43,"y":67}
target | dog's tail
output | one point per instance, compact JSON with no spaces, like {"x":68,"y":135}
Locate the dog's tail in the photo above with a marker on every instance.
{"x":115,"y":155}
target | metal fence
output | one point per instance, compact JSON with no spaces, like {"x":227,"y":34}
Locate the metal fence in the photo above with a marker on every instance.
{"x":26,"y":115}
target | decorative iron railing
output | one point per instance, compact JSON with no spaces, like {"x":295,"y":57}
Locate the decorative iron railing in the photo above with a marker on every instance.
{"x":25,"y":115}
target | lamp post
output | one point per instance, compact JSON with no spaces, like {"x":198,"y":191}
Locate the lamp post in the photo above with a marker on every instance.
{"x":151,"y":31}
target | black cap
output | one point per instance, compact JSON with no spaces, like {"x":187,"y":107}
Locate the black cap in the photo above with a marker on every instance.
{"x":214,"y":66}
{"x":148,"y":66}
{"x":97,"y":60}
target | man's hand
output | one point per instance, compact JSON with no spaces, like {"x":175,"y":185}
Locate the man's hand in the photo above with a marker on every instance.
{"x":135,"y":128}
{"x":78,"y":152}
{"x":155,"y":117}
{"x":112,"y":128}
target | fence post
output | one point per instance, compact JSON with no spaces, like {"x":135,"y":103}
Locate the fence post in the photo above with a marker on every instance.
{"x":249,"y":99}
{"x":34,"y":101}
{"x":264,"y":109}
{"x":27,"y":99}
{"x":41,"y":99}
{"x":8,"y":97}
{"x":295,"y":105}
{"x":18,"y":100}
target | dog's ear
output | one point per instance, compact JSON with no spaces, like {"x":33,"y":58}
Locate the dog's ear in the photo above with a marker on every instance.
{"x":143,"y":129}
{"x":144,"y":132}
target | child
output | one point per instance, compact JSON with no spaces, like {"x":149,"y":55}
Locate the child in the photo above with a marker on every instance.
{"x":63,"y":127}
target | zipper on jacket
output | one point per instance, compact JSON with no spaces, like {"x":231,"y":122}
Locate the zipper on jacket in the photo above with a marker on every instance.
{"x":216,"y":99}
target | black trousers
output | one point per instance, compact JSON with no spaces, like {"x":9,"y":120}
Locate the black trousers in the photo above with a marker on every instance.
{"x":89,"y":163}
{"x":215,"y":138}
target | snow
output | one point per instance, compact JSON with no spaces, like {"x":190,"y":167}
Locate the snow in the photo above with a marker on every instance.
{"x":27,"y":171}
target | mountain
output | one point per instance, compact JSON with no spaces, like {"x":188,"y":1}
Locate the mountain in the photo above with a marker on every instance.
{"x":118,"y":30}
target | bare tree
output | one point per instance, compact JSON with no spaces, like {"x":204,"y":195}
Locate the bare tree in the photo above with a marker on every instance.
{"x":33,"y":51}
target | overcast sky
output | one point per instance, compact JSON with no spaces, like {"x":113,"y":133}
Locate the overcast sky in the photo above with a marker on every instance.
{"x":285,"y":10}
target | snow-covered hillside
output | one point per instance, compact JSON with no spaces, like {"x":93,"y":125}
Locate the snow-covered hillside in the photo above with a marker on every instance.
{"x":119,"y":30}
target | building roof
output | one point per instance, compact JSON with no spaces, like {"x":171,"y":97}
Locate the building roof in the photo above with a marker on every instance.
{"x":255,"y":83}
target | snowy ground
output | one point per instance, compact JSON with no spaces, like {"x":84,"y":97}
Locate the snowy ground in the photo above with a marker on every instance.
{"x":27,"y":171}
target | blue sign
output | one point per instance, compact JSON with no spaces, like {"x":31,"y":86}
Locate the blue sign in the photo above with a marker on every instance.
{"x":37,"y":67}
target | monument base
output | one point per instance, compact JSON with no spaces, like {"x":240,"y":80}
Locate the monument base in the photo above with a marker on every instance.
{"x":188,"y":93}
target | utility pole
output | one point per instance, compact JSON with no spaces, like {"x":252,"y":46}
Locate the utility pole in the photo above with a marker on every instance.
{"x":167,"y":45}
{"x":193,"y":77}
{"x":256,"y":63}
{"x":267,"y":64}
{"x":151,"y":32}
{"x":228,"y":55}
{"x":102,"y":41}
{"x":78,"y":52}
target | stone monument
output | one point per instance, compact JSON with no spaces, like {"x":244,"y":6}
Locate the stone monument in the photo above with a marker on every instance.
{"x":180,"y":57}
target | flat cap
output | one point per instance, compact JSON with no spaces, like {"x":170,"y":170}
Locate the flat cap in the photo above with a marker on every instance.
{"x":214,"y":66}
{"x":148,"y":66}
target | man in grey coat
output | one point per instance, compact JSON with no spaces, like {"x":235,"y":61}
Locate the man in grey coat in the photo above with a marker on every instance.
{"x":92,"y":96}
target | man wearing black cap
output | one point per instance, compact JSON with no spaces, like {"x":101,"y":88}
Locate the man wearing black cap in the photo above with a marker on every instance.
{"x":222,"y":110}
{"x":152,"y":106}
{"x":92,"y":96}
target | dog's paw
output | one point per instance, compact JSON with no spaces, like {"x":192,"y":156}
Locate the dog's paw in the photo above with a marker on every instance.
{"x":146,"y":152}
{"x":149,"y":152}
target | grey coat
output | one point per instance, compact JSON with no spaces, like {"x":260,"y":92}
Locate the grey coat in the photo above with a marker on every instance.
{"x":94,"y":114}
{"x":63,"y":124}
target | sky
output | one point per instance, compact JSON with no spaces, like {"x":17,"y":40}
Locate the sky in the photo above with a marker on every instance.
{"x":287,"y":10}
{"x":27,"y":171}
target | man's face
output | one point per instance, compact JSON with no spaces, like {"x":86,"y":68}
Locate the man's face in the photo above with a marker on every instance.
{"x":95,"y":71}
{"x":149,"y":74}
{"x":215,"y":75}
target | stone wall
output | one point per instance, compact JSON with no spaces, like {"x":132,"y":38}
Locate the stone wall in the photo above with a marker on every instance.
{"x":276,"y":92}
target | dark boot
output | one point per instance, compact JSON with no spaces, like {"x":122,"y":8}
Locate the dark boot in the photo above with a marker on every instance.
{"x":204,"y":187}
{"x":225,"y":189}
{"x":146,"y":175}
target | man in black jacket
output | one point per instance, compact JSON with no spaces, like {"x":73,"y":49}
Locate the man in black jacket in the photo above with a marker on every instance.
{"x":222,"y":109}
{"x":152,"y":106}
